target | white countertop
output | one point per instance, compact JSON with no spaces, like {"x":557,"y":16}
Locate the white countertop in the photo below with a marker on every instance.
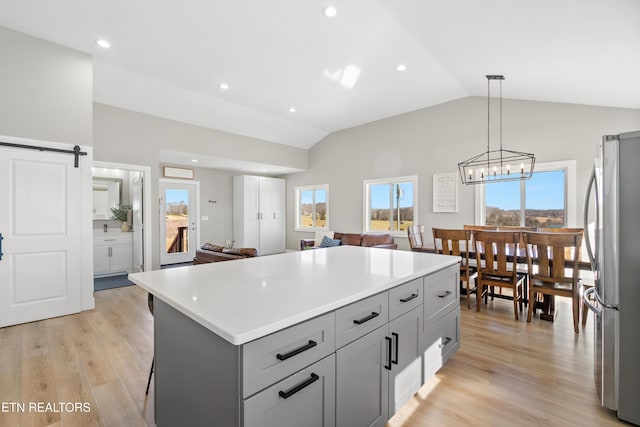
{"x":246,"y":299}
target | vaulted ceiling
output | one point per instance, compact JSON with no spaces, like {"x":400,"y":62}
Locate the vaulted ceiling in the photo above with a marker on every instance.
{"x":169,"y":58}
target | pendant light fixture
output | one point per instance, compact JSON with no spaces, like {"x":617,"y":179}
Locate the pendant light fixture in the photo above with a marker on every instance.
{"x":496,"y":165}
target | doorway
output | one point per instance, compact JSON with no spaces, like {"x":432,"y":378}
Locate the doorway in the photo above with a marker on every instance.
{"x":136,"y":190}
{"x":179,"y":220}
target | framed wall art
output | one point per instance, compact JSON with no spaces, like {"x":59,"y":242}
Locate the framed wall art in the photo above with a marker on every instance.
{"x":445,"y":192}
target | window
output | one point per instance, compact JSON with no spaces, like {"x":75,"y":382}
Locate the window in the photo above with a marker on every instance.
{"x":545,"y":200}
{"x":391,"y":204}
{"x":312,"y":208}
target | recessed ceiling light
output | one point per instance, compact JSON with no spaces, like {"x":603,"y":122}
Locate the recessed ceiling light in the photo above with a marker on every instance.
{"x":194,"y":160}
{"x":329,"y":11}
{"x":103,"y":43}
{"x":224,"y":86}
{"x":401,"y":67}
{"x":292,"y":110}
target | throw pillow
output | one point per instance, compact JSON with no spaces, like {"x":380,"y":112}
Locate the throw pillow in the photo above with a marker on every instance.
{"x":328,"y":243}
{"x":321,"y":235}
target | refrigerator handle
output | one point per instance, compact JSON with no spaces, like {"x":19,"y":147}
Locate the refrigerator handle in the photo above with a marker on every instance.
{"x":587,"y":301}
{"x":587,"y":199}
{"x":598,"y":298}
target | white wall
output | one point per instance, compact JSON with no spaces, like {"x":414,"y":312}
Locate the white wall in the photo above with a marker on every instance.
{"x":434,"y":140}
{"x":46,"y":90}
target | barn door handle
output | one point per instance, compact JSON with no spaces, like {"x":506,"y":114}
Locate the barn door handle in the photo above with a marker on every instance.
{"x":1,"y":246}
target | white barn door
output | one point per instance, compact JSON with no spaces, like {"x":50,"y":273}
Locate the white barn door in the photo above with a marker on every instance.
{"x":40,"y":221}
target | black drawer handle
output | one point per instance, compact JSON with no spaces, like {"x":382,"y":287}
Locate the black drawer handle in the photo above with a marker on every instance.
{"x":389,"y":345}
{"x":446,"y":342}
{"x":395,"y":360}
{"x":297,"y":350}
{"x":294,"y":390}
{"x":366,"y":319}
{"x":1,"y":245}
{"x":444,"y":294}
{"x":409,"y":298}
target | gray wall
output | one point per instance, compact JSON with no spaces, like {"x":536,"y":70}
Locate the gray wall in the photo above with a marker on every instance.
{"x":434,"y":140}
{"x":216,"y":197}
{"x":46,"y":90}
{"x":124,"y":136}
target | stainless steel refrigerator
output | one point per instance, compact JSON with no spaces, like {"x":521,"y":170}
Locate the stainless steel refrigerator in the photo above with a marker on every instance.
{"x":613,"y":197}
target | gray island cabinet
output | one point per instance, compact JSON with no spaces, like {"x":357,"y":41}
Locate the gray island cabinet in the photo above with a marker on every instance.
{"x":340,"y":336}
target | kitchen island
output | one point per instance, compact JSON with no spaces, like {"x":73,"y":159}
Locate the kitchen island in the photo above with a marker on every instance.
{"x":338,"y":336}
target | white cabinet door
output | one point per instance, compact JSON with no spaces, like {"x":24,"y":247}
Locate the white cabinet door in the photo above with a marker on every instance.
{"x":265,"y":239}
{"x":277,"y":216}
{"x":121,"y":258}
{"x":362,"y":381}
{"x":101,"y":260}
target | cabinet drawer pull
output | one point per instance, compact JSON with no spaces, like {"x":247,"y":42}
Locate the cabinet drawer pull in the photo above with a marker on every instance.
{"x":395,"y":360}
{"x":446,"y":342}
{"x":389,"y":345}
{"x":286,"y":394}
{"x":409,"y":298}
{"x":298,"y":350}
{"x":444,"y":294}
{"x":366,"y":319}
{"x":109,"y":240}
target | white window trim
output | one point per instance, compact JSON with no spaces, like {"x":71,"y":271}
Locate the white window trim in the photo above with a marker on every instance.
{"x":297,"y":193}
{"x":570,"y":191}
{"x":366,"y":198}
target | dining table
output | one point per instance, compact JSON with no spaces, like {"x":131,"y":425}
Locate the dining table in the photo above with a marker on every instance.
{"x":547,"y":306}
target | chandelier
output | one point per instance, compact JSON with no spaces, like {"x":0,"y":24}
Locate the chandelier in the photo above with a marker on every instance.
{"x":496,"y":165}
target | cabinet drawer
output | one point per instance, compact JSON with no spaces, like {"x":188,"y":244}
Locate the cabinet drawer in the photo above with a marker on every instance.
{"x":306,"y":398}
{"x":360,"y":318}
{"x":405,"y":298}
{"x":439,"y":342}
{"x":113,"y":239}
{"x":441,"y":293}
{"x":274,"y":357}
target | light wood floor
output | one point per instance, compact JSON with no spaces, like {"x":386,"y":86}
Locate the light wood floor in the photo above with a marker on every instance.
{"x":506,"y":372}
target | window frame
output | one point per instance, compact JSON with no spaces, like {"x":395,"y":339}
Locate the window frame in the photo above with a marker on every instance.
{"x":367,"y":202}
{"x":298,"y":191}
{"x":569,"y":166}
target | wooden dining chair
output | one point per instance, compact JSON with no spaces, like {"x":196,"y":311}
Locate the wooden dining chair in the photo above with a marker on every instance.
{"x":584,"y":285}
{"x":555,"y":257}
{"x":457,"y":243}
{"x":497,"y":265}
{"x":416,"y":241}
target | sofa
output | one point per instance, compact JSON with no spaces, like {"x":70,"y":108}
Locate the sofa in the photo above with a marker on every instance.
{"x":214,"y":253}
{"x":352,"y":239}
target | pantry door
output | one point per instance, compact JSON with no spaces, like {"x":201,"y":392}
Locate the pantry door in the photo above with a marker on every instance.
{"x":40,"y":224}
